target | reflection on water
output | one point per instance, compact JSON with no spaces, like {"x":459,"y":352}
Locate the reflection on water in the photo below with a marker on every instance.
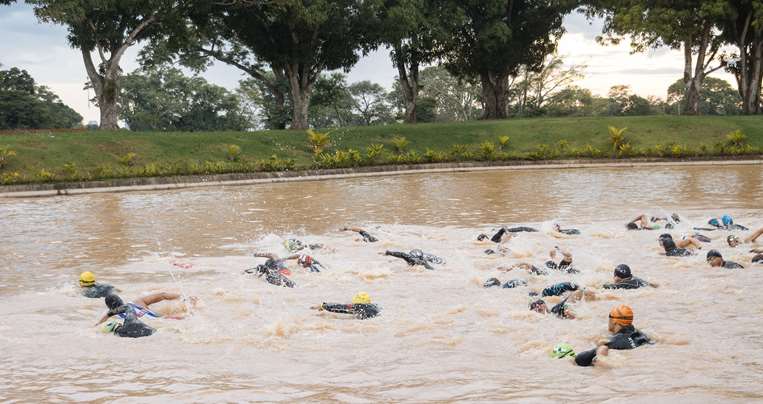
{"x":441,"y":336}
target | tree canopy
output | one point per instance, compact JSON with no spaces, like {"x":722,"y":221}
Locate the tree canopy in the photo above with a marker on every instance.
{"x":25,"y":105}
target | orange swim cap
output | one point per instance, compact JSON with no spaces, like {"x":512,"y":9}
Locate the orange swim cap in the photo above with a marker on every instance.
{"x":622,"y":315}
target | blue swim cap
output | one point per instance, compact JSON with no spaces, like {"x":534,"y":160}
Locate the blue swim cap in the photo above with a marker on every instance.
{"x":727,"y":220}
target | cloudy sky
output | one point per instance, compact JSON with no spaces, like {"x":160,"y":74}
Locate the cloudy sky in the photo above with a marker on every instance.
{"x":42,"y":50}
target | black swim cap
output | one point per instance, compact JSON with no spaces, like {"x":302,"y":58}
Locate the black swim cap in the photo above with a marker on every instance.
{"x":623,"y":271}
{"x":113,"y":302}
{"x":631,"y":226}
{"x":666,"y":236}
{"x":534,"y":305}
{"x":481,"y":237}
{"x":712,"y":254}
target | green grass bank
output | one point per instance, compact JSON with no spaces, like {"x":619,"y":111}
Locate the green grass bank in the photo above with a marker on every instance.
{"x":85,"y":156}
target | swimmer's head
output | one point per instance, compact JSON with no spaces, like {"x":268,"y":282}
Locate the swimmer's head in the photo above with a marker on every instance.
{"x":491,"y":282}
{"x":86,"y":279}
{"x":361,"y":298}
{"x":676,"y":218}
{"x":109,"y":327}
{"x":733,"y":240}
{"x":727,"y":220}
{"x":714,"y":258}
{"x":631,"y":226}
{"x":562,"y":350}
{"x":666,"y":241}
{"x":113,"y":302}
{"x":539,"y":306}
{"x":623,"y":271}
{"x":482,"y":237}
{"x":620,"y":316}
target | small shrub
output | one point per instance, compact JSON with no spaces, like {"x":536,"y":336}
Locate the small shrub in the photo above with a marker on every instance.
{"x":233,"y":152}
{"x":129,"y":159}
{"x":11,"y":177}
{"x":658,"y":150}
{"x":274,"y":163}
{"x":45,"y":175}
{"x":617,"y":137}
{"x":503,"y":142}
{"x":373,"y":151}
{"x":459,"y":151}
{"x":6,"y":154}
{"x":433,"y":156}
{"x":589,"y":151}
{"x":355,"y":157}
{"x":487,"y":150}
{"x":150,"y":170}
{"x":70,"y":170}
{"x":677,"y":150}
{"x":563,"y":146}
{"x":400,"y":143}
{"x":736,"y":138}
{"x":318,"y":141}
{"x":625,"y":150}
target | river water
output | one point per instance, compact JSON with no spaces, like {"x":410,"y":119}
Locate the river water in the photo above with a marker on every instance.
{"x":441,"y":336}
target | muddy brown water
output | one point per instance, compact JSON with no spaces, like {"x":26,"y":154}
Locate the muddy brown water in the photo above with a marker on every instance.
{"x":441,"y":336}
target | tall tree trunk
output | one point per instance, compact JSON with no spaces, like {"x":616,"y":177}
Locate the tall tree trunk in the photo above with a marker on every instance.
{"x":692,"y":83}
{"x":107,"y":102}
{"x":494,"y":94}
{"x":301,"y":87}
{"x":408,"y":77}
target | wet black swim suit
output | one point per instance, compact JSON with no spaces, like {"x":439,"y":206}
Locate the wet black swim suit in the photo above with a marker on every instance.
{"x":627,"y":338}
{"x":758,"y":259}
{"x":559,"y":289}
{"x":98,"y":290}
{"x":272,"y":274}
{"x":677,"y":252}
{"x":497,"y":236}
{"x":563,"y":265}
{"x":367,"y":237}
{"x":570,"y":232}
{"x":731,"y":265}
{"x":508,"y":285}
{"x":416,"y":257}
{"x":132,"y":327}
{"x":630,"y":283}
{"x":560,"y":310}
{"x":360,"y":311}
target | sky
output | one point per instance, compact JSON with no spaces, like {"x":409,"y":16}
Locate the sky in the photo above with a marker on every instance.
{"x":43,"y":51}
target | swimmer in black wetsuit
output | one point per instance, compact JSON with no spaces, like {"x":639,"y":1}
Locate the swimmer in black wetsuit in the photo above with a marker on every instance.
{"x":625,"y":280}
{"x":564,"y":265}
{"x":715,"y":259}
{"x":132,"y":327}
{"x":92,"y":289}
{"x":569,"y":232}
{"x":366,"y":237}
{"x":416,"y":257}
{"x":642,"y":223}
{"x":726,"y":222}
{"x":508,"y":285}
{"x":671,"y":250}
{"x":361,"y":307}
{"x":142,"y":306}
{"x":561,"y":310}
{"x":624,"y":336}
{"x":506,"y":233}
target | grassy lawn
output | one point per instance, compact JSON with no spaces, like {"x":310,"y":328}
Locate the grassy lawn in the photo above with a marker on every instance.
{"x":96,"y":155}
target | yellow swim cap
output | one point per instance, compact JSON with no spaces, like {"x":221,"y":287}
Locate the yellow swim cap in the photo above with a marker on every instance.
{"x":361,"y":298}
{"x":86,"y":279}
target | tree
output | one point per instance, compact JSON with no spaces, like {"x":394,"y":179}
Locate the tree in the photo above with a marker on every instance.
{"x":332,"y":103}
{"x":570,"y":101}
{"x":410,"y":29}
{"x":717,"y":98}
{"x":370,"y":103}
{"x":266,"y":99}
{"x":296,"y":38}
{"x":537,"y":88}
{"x":623,"y":102}
{"x":25,"y":105}
{"x":108,"y":27}
{"x":492,"y":39}
{"x":454,"y":99}
{"x":743,"y":27}
{"x":687,"y":24}
{"x":166,"y":100}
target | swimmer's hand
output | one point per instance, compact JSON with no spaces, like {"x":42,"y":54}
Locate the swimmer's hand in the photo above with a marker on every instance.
{"x":318,"y":307}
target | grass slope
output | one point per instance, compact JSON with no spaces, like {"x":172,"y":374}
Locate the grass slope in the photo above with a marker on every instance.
{"x":90,"y":152}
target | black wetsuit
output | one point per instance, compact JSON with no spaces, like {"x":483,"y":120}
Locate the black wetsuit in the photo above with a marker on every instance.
{"x":416,"y":257}
{"x":499,"y":235}
{"x":560,"y":310}
{"x":731,"y":265}
{"x":272,"y":272}
{"x":132,"y":327}
{"x":630,"y":283}
{"x":367,"y":237}
{"x":758,"y":259}
{"x":508,"y":285}
{"x":98,"y":290}
{"x":360,"y":311}
{"x":563,"y":265}
{"x":627,"y":338}
{"x":559,"y":289}
{"x":570,"y":232}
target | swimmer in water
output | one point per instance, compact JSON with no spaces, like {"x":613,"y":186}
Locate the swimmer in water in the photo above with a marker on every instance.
{"x":508,"y":285}
{"x":367,"y":238}
{"x":131,"y":327}
{"x":564,"y":265}
{"x":140,"y":306}
{"x":715,"y":259}
{"x":416,"y":257}
{"x":734,"y":241}
{"x":642,"y":223}
{"x":624,"y":336}
{"x":293,"y":245}
{"x":569,"y":290}
{"x":569,"y":232}
{"x":92,"y":289}
{"x":505,"y":233}
{"x":671,"y":249}
{"x":561,"y":310}
{"x":623,"y":279}
{"x":274,"y":269}
{"x":361,"y":307}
